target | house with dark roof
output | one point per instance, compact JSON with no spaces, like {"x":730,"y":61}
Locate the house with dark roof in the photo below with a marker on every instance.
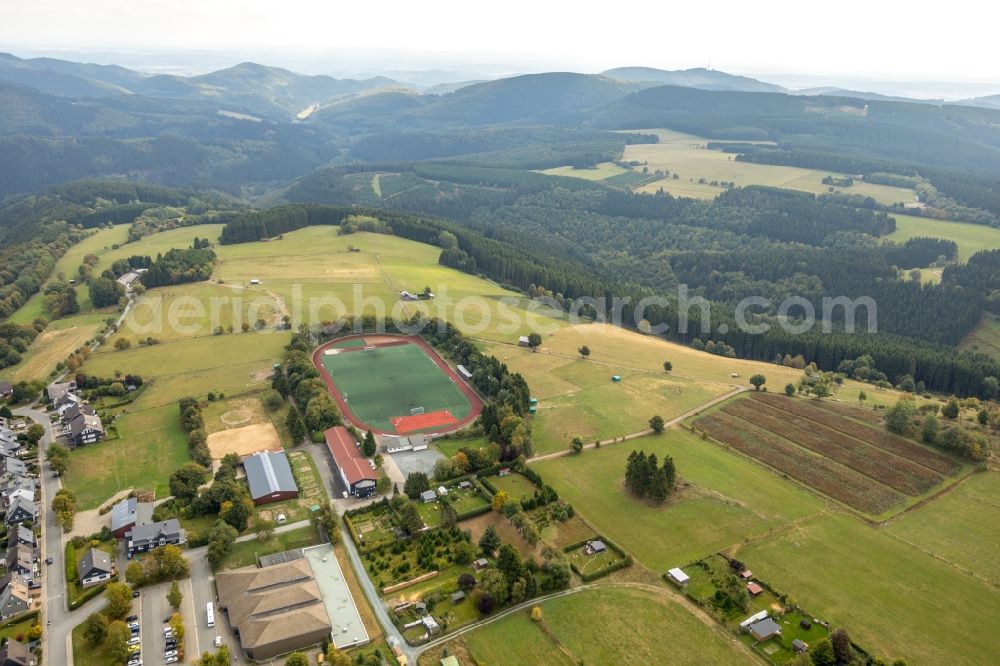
{"x":595,"y":547}
{"x":764,"y":629}
{"x":21,"y":510}
{"x":141,"y":538}
{"x":94,"y":568}
{"x":6,"y":389}
{"x":428,"y":496}
{"x":85,"y":429}
{"x":129,"y":513}
{"x":270,"y":477}
{"x":15,"y":653}
{"x":65,"y":403}
{"x":21,"y":559}
{"x":274,"y":610}
{"x":75,"y":410}
{"x":14,"y":596}
{"x":352,"y":466}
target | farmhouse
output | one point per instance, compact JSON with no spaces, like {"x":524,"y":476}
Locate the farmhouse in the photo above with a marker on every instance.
{"x":94,"y":568}
{"x":595,"y":547}
{"x":678,"y":576}
{"x":274,"y":610}
{"x":129,"y":513}
{"x":354,"y":470}
{"x":141,"y":538}
{"x":764,"y":629}
{"x":270,"y":477}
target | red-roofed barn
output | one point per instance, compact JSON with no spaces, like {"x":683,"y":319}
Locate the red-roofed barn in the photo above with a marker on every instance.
{"x":355,"y":471}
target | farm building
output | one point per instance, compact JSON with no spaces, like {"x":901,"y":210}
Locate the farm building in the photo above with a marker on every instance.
{"x":354,"y":470}
{"x":754,"y":589}
{"x":274,"y":610}
{"x":270,"y":477}
{"x":678,"y":576}
{"x":128,"y":513}
{"x":94,"y":568}
{"x":407,"y":296}
{"x":595,"y":547}
{"x":523,"y":341}
{"x":764,"y":629}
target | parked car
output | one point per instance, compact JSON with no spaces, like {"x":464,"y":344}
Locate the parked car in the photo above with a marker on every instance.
{"x":133,"y":625}
{"x":170,"y":653}
{"x":48,"y":560}
{"x":170,"y":660}
{"x":135,"y":594}
{"x":218,"y":641}
{"x":166,"y":619}
{"x":135,"y":640}
{"x":134,"y":662}
{"x":132,"y":618}
{"x":133,"y":648}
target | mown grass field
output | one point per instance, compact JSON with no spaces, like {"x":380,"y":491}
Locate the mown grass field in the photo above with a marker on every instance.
{"x":196,"y":309}
{"x":686,"y":155}
{"x":971,"y":238}
{"x":224,"y":363}
{"x":984,"y":338}
{"x":960,"y":526}
{"x":150,"y":446}
{"x":318,"y":278}
{"x":578,"y":399}
{"x":895,"y":600}
{"x":245,"y":553}
{"x":61,"y":338}
{"x":600,"y":627}
{"x":728,"y":499}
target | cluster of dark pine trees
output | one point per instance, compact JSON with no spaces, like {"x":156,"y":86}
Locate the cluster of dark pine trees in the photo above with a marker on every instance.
{"x":648,"y":479}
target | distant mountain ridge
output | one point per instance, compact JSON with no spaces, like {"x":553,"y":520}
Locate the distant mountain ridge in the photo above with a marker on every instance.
{"x":699,"y":77}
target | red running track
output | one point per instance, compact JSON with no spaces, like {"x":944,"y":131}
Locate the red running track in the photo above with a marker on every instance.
{"x":384,"y":340}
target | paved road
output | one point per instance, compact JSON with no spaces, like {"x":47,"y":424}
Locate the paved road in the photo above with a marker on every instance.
{"x":56,"y":645}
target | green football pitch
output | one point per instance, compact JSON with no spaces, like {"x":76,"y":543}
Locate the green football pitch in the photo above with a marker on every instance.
{"x":381,"y":383}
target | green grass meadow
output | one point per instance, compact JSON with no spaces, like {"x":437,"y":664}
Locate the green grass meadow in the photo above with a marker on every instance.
{"x":722,"y":499}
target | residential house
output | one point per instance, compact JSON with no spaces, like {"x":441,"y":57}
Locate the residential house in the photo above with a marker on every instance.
{"x":15,"y":653}
{"x":94,"y":568}
{"x":66,"y":402}
{"x":14,"y":596}
{"x":19,"y":511}
{"x":129,"y":513}
{"x":764,"y":629}
{"x":19,"y":487}
{"x":11,"y":466}
{"x":26,"y":536}
{"x":75,"y":410}
{"x":57,"y":390}
{"x":85,"y":429}
{"x":141,"y":538}
{"x":21,"y":560}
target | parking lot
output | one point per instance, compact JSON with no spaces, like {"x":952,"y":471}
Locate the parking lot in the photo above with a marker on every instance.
{"x":152,"y":609}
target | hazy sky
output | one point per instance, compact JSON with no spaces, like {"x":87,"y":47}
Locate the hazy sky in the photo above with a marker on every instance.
{"x":879,"y":39}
